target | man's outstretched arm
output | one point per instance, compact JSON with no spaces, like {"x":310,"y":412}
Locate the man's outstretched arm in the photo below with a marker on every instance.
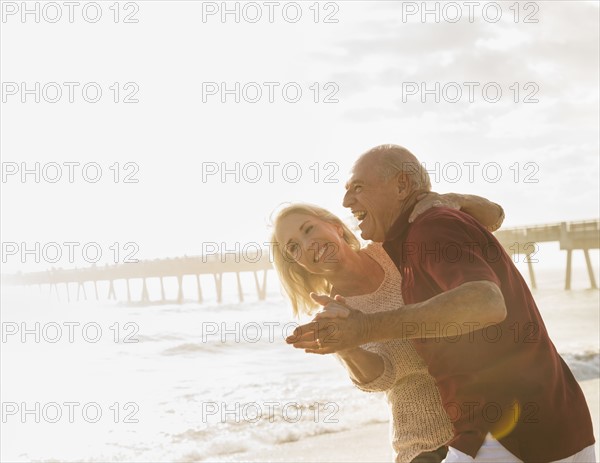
{"x":487,"y":213}
{"x":471,"y":306}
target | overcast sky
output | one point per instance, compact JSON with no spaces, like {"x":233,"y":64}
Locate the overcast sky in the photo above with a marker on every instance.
{"x":532,"y":148}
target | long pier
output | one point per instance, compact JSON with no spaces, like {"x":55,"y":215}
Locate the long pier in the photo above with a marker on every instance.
{"x":215,"y":265}
{"x":571,"y":236}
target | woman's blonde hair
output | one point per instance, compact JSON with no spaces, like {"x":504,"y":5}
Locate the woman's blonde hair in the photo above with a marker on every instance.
{"x":297,"y":282}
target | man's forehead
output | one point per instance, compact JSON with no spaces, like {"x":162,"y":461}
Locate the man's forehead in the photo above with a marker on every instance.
{"x":361,"y":173}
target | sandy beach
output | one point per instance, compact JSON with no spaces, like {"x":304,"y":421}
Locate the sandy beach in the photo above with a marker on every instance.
{"x":371,"y":443}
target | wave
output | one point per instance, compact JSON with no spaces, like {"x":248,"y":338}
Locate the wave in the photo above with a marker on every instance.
{"x":190,"y":348}
{"x":166,"y":337}
{"x":584,"y":365}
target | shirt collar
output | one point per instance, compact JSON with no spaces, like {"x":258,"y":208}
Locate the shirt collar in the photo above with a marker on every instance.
{"x":399,"y":227}
{"x":395,"y":236}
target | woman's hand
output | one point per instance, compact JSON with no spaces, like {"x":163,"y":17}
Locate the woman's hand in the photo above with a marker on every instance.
{"x":318,"y":338}
{"x":337,"y":328}
{"x":339,"y":310}
{"x":432,"y":199}
{"x":487,"y":213}
{"x":336,"y":311}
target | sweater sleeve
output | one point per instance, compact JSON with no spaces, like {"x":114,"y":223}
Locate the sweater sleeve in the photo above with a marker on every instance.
{"x":387,"y":379}
{"x":399,"y":360}
{"x":399,"y":357}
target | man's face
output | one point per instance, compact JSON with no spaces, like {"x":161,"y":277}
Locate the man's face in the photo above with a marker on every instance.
{"x":376,"y":203}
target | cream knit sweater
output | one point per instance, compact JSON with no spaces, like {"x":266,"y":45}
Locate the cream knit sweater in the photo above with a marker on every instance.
{"x":419,"y":422}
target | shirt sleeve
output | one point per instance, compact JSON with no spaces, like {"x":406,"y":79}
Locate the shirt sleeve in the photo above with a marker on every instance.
{"x":452,"y":249}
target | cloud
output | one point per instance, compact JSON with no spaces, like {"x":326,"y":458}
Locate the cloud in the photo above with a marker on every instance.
{"x":560,"y":53}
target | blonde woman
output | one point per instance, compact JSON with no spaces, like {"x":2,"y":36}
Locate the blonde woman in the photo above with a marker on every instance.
{"x":316,"y":252}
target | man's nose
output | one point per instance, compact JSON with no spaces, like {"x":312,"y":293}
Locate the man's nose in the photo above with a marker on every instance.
{"x":348,"y":199}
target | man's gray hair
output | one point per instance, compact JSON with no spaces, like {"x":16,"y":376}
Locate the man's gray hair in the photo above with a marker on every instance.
{"x":391,"y":159}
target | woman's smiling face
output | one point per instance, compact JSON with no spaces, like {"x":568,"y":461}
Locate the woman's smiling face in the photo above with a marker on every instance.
{"x":312,"y":242}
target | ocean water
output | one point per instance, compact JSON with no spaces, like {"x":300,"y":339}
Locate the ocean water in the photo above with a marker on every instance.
{"x":198,"y":382}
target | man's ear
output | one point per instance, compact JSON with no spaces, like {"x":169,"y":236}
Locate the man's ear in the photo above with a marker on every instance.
{"x":404,"y":185}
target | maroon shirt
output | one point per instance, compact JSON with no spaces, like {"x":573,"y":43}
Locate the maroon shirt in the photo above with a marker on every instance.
{"x":506,"y":378}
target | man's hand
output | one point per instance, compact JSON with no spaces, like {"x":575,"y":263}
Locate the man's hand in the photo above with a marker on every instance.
{"x":432,"y":199}
{"x":336,"y":328}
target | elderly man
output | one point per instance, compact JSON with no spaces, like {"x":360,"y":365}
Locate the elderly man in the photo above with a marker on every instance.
{"x":508,"y":393}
